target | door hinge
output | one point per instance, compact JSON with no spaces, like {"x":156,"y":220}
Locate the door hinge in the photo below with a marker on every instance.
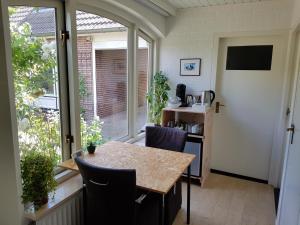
{"x":69,"y":139}
{"x":64,"y":36}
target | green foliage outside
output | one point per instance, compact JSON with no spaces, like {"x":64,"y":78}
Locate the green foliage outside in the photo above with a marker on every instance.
{"x":157,"y":97}
{"x":91,"y":133}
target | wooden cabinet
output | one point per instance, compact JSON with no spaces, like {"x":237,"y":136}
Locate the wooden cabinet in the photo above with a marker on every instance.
{"x":188,"y":115}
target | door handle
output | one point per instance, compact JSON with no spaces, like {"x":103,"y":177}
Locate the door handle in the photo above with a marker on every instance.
{"x":292,"y":130}
{"x":218,"y":104}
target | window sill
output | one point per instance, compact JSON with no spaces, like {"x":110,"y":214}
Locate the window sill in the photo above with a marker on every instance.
{"x":64,"y":192}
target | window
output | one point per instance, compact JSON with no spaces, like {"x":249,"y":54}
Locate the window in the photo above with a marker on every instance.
{"x":42,"y":120}
{"x":102,"y":69}
{"x":45,"y":101}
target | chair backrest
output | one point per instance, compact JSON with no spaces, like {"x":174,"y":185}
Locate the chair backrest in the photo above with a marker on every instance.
{"x":165,"y":138}
{"x":109,"y":194}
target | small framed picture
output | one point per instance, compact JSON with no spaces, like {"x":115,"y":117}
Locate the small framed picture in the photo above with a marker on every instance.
{"x":190,"y":67}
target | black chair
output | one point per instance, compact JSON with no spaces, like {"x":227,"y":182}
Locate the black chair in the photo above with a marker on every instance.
{"x":170,"y":139}
{"x":110,"y":197}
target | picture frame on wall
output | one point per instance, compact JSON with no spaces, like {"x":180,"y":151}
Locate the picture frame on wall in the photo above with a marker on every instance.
{"x":190,"y":67}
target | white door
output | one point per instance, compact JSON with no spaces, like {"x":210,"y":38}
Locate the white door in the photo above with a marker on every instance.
{"x":244,"y":129}
{"x":289,"y":208}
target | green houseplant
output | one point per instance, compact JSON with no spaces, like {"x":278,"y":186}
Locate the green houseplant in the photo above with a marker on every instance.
{"x":37,"y":171}
{"x":157,"y":97}
{"x":91,"y":134}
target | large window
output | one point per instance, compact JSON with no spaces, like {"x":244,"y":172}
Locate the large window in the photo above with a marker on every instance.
{"x":46,"y":103}
{"x":36,"y":56}
{"x":102,"y":68}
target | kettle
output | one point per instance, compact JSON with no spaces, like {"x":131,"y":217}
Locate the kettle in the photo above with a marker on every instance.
{"x":207,"y":97}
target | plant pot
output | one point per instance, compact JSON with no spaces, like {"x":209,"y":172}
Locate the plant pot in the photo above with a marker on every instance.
{"x":40,"y":202}
{"x":91,"y":149}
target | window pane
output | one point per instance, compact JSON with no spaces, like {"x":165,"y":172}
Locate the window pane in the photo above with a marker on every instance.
{"x":36,"y":79}
{"x":102,"y":65}
{"x":143,"y":74}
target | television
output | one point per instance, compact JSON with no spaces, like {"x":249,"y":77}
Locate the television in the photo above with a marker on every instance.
{"x":257,"y":57}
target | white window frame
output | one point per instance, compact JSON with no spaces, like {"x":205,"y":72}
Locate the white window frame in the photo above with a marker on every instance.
{"x":132,"y":42}
{"x":61,"y":61}
{"x":150,"y":69}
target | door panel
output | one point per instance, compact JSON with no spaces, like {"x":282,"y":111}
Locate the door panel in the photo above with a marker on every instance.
{"x":290,"y":196}
{"x":244,"y":128}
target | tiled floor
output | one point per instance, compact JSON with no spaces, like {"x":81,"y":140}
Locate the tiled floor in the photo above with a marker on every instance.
{"x":229,"y":201}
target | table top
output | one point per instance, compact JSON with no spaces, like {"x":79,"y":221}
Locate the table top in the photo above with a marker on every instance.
{"x":157,"y":170}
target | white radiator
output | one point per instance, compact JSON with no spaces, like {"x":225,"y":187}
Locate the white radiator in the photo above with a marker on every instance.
{"x":69,"y":213}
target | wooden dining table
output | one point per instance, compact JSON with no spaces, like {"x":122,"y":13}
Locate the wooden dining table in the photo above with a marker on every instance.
{"x":157,"y":170}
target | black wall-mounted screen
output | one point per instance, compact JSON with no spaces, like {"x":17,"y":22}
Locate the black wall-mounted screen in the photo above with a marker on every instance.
{"x":249,"y":57}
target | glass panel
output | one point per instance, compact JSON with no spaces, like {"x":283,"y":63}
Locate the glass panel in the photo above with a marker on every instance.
{"x":34,"y":63}
{"x":102,"y":65}
{"x":142,"y":61}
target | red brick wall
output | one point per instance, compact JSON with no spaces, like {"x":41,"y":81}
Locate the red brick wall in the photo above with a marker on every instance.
{"x":111,"y":78}
{"x":142,"y":67}
{"x":85,"y":69}
{"x":111,"y":70}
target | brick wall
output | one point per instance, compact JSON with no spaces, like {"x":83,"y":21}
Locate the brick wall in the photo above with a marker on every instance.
{"x":85,"y":69}
{"x":142,"y":67}
{"x":111,"y":78}
{"x":111,"y":70}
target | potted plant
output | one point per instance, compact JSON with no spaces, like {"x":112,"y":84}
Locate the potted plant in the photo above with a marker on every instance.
{"x":93,"y":135}
{"x":91,"y":148}
{"x":37,"y":171}
{"x":157,"y":97}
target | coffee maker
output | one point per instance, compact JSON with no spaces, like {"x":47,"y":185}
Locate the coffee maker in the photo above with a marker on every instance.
{"x":180,"y":93}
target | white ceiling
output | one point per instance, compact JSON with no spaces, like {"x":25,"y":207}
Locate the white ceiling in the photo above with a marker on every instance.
{"x":204,"y":3}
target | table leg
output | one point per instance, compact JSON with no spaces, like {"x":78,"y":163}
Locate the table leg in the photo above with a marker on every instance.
{"x":188,"y":199}
{"x":162,"y":219}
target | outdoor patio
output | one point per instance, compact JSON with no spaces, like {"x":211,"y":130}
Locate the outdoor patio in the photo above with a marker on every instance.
{"x":116,"y":125}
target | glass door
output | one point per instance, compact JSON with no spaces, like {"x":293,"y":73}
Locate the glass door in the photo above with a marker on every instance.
{"x":40,"y":79}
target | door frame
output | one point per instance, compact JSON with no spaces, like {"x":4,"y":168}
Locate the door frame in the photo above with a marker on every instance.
{"x":292,"y":97}
{"x":276,"y":156}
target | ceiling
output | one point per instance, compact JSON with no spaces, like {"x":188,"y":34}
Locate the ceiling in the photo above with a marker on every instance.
{"x":179,"y":4}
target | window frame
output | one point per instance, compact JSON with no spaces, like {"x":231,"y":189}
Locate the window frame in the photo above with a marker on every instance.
{"x":68,"y":67}
{"x":131,"y":55}
{"x":61,"y":66}
{"x":150,"y":69}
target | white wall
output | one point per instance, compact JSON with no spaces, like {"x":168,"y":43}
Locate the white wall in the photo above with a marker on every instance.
{"x":296,"y":13}
{"x":191,"y":34}
{"x":10,"y":207}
